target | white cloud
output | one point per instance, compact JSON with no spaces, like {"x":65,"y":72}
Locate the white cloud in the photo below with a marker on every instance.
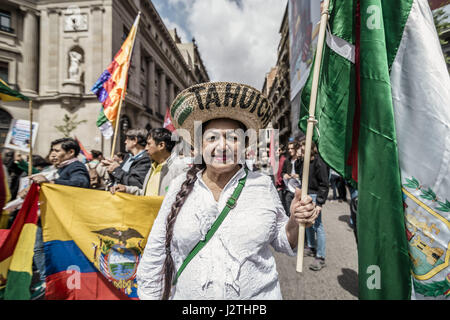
{"x":180,"y":31}
{"x":237,"y":43}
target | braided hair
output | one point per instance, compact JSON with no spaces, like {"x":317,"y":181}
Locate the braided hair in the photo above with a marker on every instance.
{"x":186,"y":188}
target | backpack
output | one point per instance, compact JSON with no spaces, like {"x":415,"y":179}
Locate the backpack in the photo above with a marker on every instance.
{"x":94,"y":177}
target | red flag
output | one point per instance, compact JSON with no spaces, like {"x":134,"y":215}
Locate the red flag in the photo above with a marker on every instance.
{"x":83,"y":150}
{"x":168,"y":121}
{"x":27,"y":214}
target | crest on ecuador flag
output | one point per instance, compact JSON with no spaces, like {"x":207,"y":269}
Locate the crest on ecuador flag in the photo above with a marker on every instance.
{"x":93,"y":246}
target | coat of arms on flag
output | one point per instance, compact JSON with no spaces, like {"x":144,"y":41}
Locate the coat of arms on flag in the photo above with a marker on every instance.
{"x":116,"y":255}
{"x":100,"y":236}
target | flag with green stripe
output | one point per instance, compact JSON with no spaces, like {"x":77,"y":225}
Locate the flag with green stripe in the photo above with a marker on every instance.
{"x":105,"y":126}
{"x":8,"y":94}
{"x":17,"y":250}
{"x":383,"y":124}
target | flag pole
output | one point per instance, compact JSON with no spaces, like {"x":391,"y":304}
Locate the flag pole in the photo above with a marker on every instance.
{"x":310,"y":127}
{"x":123,"y":92}
{"x":30,"y":155}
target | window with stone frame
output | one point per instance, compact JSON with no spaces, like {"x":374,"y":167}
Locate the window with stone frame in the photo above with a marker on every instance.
{"x":125,"y":33}
{"x":5,"y":122}
{"x":157,"y":93}
{"x":5,"y":21}
{"x":4,"y":71}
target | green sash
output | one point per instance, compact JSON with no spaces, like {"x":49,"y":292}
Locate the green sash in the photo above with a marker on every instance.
{"x":231,"y":203}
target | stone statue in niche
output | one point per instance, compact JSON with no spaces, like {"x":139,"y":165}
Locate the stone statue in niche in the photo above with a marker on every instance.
{"x":74,"y":66}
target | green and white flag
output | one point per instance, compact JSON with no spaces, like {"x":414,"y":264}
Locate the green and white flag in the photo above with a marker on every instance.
{"x":383,"y":112}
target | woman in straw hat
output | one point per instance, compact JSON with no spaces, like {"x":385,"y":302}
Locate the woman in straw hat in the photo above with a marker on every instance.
{"x":211,"y":237}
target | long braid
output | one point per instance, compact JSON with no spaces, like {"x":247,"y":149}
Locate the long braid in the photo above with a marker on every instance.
{"x":186,"y":188}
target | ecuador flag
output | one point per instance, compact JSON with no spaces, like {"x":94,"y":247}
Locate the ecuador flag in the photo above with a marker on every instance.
{"x":17,"y":249}
{"x":93,"y":241}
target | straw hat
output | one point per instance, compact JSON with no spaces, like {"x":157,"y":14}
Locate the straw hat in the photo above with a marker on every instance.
{"x":213,"y":100}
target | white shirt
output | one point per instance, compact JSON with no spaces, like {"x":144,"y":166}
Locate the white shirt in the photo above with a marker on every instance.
{"x":293,"y":167}
{"x":237,"y":262}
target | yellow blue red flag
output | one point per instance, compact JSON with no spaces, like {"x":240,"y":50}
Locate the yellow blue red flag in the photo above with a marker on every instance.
{"x":94,"y":241}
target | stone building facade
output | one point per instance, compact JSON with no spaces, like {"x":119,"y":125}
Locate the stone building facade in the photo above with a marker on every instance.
{"x":54,"y":51}
{"x":277,"y":86}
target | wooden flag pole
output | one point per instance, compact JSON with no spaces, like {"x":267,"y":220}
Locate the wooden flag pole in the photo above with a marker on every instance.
{"x":310,"y":127}
{"x":117,"y":124}
{"x":30,"y":155}
{"x":123,"y":93}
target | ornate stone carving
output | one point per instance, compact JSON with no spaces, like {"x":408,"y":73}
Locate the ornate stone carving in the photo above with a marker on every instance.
{"x":74,"y":20}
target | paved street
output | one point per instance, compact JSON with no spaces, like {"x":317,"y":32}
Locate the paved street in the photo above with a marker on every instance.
{"x":339,"y":279}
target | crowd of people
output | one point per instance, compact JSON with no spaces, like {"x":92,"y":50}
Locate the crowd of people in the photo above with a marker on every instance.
{"x":153,"y":162}
{"x":146,"y":168}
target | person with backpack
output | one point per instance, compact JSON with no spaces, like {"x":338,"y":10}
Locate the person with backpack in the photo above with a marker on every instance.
{"x":97,"y":171}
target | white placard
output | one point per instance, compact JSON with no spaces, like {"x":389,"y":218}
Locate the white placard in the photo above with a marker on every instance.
{"x":18,"y":137}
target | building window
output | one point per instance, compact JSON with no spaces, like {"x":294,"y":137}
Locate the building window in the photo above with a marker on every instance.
{"x":4,"y":71}
{"x":5,"y":121}
{"x":125,"y":33}
{"x":125,"y":125}
{"x":5,"y":21}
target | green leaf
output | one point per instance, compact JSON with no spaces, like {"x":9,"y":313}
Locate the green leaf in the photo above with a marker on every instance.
{"x":445,"y":207}
{"x":434,"y":289}
{"x":70,"y":124}
{"x":412,"y":183}
{"x":428,"y":194}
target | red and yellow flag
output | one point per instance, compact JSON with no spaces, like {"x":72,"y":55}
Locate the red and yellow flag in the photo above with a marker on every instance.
{"x":110,"y":88}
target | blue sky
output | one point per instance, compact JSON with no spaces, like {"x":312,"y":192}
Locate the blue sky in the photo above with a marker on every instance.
{"x":237,"y":39}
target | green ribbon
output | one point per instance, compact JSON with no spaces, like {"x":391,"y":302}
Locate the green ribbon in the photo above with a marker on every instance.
{"x":231,"y":203}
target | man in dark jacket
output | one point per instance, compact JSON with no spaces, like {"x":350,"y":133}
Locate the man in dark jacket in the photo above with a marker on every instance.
{"x":318,"y":187}
{"x":71,"y":172}
{"x":134,"y":168}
